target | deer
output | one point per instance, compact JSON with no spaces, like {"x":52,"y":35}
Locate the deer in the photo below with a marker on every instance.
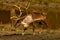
{"x":31,"y":18}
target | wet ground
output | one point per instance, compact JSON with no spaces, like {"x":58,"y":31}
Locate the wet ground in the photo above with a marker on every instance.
{"x":16,"y":34}
{"x":42,"y":36}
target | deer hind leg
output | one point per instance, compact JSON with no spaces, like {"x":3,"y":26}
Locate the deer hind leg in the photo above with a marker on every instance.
{"x":43,"y":24}
{"x":25,"y":29}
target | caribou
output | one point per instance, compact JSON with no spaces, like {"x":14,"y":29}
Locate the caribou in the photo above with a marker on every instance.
{"x":31,"y":18}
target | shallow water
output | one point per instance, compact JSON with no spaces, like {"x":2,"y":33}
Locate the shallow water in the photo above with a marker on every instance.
{"x":42,"y":36}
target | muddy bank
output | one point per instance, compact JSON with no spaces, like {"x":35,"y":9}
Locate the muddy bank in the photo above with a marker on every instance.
{"x":42,"y":36}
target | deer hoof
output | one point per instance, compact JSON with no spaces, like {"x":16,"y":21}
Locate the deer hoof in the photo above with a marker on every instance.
{"x":23,"y":33}
{"x":40,"y":32}
{"x":34,"y":33}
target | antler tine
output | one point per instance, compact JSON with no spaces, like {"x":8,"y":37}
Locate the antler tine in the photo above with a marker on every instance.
{"x":19,"y":10}
{"x":28,"y":4}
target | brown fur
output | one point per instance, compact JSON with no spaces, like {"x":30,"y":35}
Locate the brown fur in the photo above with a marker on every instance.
{"x":38,"y":15}
{"x":33,"y":17}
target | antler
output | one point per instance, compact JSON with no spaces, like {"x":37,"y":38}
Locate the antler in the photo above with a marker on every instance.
{"x":19,"y":10}
{"x":28,"y":4}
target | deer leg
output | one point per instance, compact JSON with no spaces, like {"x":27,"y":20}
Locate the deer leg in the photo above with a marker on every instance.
{"x":43,"y":24}
{"x":33,"y":26}
{"x":25,"y":29}
{"x":17,"y":23}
